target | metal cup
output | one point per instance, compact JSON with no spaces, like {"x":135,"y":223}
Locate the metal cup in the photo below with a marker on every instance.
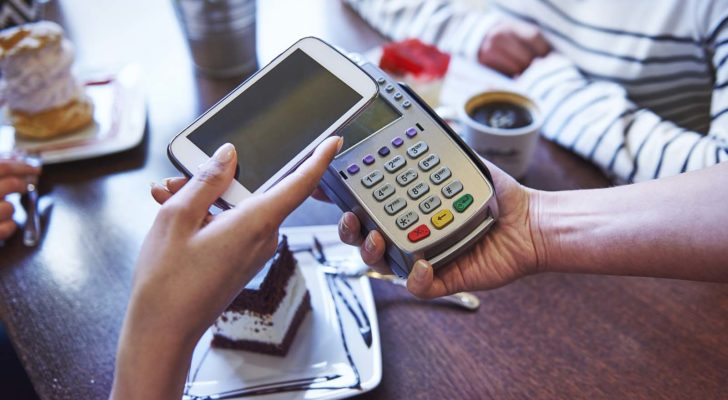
{"x":220,"y":34}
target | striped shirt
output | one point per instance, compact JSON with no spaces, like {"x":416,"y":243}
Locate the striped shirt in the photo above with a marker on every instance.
{"x":640,"y":88}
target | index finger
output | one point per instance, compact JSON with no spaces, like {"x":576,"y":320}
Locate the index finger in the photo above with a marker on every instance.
{"x":289,"y":193}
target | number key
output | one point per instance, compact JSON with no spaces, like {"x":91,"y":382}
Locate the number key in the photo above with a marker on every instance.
{"x":372,"y":178}
{"x":429,"y":204}
{"x":395,"y":163}
{"x":407,"y":177}
{"x":383,"y":191}
{"x":429,"y":162}
{"x":395,"y":205}
{"x":440,"y":175}
{"x":418,"y":190}
{"x":417,"y":149}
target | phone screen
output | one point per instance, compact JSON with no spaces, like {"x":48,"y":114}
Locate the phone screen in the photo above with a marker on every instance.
{"x":275,"y":118}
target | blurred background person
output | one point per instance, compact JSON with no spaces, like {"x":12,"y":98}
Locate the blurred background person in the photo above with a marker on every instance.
{"x":640,"y":89}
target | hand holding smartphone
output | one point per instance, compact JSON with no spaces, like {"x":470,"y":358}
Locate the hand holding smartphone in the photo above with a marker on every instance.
{"x":277,"y":117}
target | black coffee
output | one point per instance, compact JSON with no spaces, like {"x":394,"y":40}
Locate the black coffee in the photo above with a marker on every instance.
{"x":501,"y":114}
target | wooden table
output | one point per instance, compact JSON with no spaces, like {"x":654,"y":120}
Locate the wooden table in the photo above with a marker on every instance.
{"x":546,"y":336}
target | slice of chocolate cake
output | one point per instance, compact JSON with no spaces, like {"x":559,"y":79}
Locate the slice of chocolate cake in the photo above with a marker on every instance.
{"x":268,"y":312}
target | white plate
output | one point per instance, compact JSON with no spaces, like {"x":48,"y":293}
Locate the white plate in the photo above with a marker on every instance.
{"x":119,"y":118}
{"x":319,"y":349}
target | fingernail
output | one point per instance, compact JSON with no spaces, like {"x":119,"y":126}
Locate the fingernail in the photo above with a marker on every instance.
{"x":340,"y":144}
{"x":369,"y":244}
{"x":165,"y":182}
{"x":343,"y":226}
{"x":420,"y":270}
{"x":224,"y":154}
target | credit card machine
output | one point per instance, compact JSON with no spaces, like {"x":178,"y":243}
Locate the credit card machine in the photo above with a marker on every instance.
{"x":404,"y":172}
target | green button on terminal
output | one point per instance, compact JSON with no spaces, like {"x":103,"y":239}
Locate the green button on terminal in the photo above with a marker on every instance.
{"x":462,"y":203}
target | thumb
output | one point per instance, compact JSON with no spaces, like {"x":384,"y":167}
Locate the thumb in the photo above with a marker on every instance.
{"x":289,"y":193}
{"x":423,"y":283}
{"x":207,"y":185}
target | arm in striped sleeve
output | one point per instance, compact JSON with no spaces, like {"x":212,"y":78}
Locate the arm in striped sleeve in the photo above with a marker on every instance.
{"x":596,"y":120}
{"x":447,"y":24}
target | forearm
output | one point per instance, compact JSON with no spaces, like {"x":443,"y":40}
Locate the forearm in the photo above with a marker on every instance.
{"x":152,"y":363}
{"x":675,"y":228}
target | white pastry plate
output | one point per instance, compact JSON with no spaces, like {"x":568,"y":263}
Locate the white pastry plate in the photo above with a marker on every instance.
{"x":119,"y":120}
{"x":323,"y":361}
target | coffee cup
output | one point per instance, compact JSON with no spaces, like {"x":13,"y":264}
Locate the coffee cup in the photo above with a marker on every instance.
{"x":502,"y":127}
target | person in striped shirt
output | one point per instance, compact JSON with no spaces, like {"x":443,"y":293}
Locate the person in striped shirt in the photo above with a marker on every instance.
{"x":638,"y":88}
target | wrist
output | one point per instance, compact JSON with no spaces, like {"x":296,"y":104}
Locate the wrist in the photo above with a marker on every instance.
{"x":544,"y":235}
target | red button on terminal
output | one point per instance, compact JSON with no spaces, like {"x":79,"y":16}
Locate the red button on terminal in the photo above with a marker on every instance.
{"x":418,"y":233}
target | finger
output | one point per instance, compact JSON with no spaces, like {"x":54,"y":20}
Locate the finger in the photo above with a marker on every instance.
{"x":6,"y":210}
{"x":18,"y":168}
{"x":192,"y":201}
{"x":500,"y":61}
{"x":372,"y":252}
{"x":533,"y":38}
{"x":160,"y":194}
{"x":350,"y":229}
{"x":7,"y":228}
{"x":423,"y":283}
{"x":319,"y":195}
{"x":175,"y":184}
{"x":516,"y":50}
{"x":12,"y":184}
{"x":289,"y":193}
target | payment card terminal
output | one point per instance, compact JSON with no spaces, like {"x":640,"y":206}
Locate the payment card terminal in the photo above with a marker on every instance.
{"x":404,"y":172}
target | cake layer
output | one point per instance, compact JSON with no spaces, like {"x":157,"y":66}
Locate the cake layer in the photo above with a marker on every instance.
{"x":243,"y":324}
{"x":280,"y":349}
{"x":267,"y":289}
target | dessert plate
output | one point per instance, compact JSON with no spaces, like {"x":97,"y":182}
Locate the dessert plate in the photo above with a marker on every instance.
{"x":329,"y":357}
{"x":119,"y":119}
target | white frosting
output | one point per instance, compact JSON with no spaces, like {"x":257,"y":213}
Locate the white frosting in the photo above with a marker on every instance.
{"x":38,"y":80}
{"x":252,"y":326}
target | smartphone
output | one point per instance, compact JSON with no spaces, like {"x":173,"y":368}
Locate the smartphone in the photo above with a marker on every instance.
{"x":277,"y":117}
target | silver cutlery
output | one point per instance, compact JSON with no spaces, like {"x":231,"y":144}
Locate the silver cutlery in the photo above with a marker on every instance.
{"x":465,"y":300}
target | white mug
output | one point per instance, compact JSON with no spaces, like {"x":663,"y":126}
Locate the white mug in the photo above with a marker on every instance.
{"x":511,"y":149}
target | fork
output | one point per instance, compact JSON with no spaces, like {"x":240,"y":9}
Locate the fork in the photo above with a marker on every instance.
{"x":463,"y":299}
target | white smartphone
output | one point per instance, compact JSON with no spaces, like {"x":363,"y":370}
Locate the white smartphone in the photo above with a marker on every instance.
{"x":277,"y":117}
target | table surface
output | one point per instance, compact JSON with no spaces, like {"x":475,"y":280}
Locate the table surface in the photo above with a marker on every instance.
{"x":545,"y":336}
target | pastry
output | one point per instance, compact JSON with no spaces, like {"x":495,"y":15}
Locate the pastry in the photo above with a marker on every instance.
{"x":43,"y":98}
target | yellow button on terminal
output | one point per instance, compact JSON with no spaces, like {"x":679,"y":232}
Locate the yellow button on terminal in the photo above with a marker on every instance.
{"x":442,"y":219}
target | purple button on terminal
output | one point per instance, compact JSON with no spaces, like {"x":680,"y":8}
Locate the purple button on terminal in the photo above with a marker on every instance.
{"x":368,"y":160}
{"x":383,"y":151}
{"x":411,"y":132}
{"x":396,"y":142}
{"x":353,"y":169}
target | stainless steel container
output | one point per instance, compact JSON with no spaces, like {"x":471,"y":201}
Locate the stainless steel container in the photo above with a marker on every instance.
{"x":221,"y":35}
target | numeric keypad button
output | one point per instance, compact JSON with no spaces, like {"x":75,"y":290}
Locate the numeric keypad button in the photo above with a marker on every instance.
{"x":429,"y":204}
{"x":406,"y":220}
{"x":452,"y":188}
{"x":429,"y":162}
{"x":372,"y":178}
{"x":407,"y":177}
{"x":418,"y":190}
{"x":395,"y":205}
{"x":417,"y":149}
{"x":383,"y":191}
{"x":395,"y":164}
{"x":440,"y":175}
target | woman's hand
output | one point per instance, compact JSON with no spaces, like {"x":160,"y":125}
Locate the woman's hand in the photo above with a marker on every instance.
{"x":510,"y":46}
{"x":507,"y":252}
{"x":13,"y":179}
{"x":192,"y":265}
